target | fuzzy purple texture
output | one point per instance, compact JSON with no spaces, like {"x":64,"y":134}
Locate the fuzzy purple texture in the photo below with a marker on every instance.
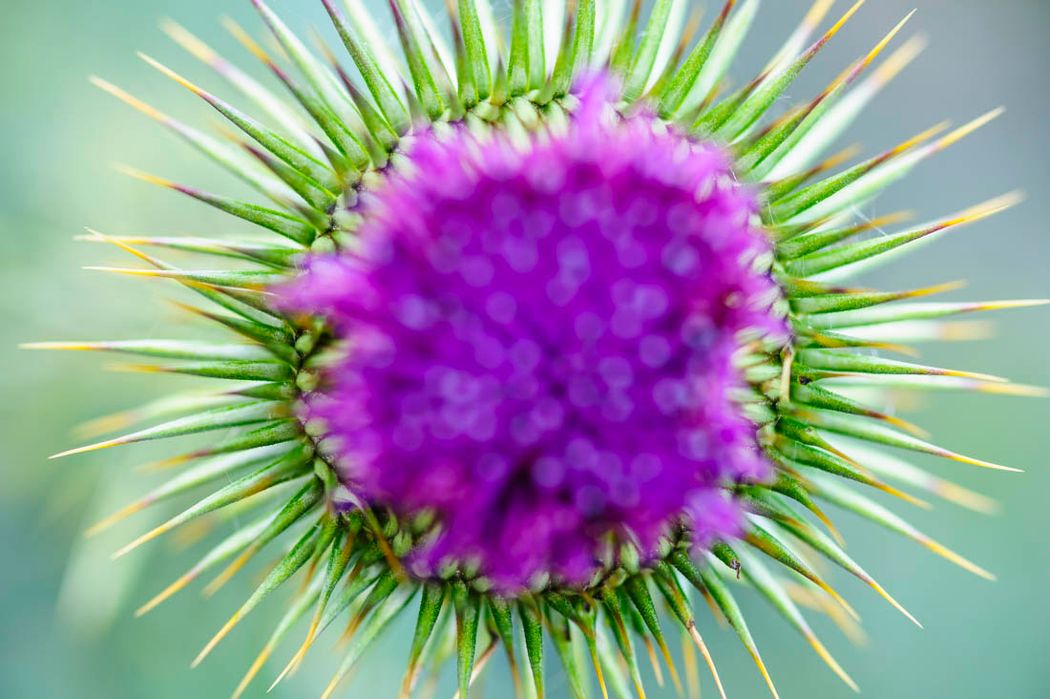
{"x":539,"y":342}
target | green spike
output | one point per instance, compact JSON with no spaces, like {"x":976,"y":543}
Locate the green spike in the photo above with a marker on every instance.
{"x":309,"y":190}
{"x":853,"y":184}
{"x":277,"y":340}
{"x":276,"y":144}
{"x":637,"y":590}
{"x":829,"y":549}
{"x":762,"y":539}
{"x":202,"y":474}
{"x":294,"y":509}
{"x":770,"y":149}
{"x":526,"y":65}
{"x":733,"y":614}
{"x":687,"y":75}
{"x":270,"y":254}
{"x":468,"y":610}
{"x":763,"y":581}
{"x":841,"y":361}
{"x":892,"y":468}
{"x":642,"y":66}
{"x":914,"y":311}
{"x":317,"y":75}
{"x":284,"y":469}
{"x":430,"y":606}
{"x":843,"y":497}
{"x":413,"y":40}
{"x":368,"y":634}
{"x":211,"y":148}
{"x":235,"y":371}
{"x":769,"y":89}
{"x":476,"y":76}
{"x":789,"y":453}
{"x":561,"y":634}
{"x":355,"y":585}
{"x":503,"y":620}
{"x":620,"y":62}
{"x":300,"y":605}
{"x":375,"y":78}
{"x":532,"y":625}
{"x":614,"y":618}
{"x":236,"y":415}
{"x":278,"y":575}
{"x":292,"y":227}
{"x":577,"y":53}
{"x":163,"y":349}
{"x":810,"y":394}
{"x":266,"y":434}
{"x":226,"y":548}
{"x":269,"y":103}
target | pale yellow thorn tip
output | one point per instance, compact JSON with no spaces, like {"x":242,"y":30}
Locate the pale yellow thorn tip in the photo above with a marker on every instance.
{"x":964,"y":563}
{"x":141,"y":175}
{"x":148,"y":536}
{"x":982,"y":464}
{"x":896,"y":605}
{"x":706,"y":653}
{"x":89,"y":448}
{"x":166,"y":593}
{"x":967,"y":129}
{"x":117,"y":516}
{"x":257,"y":665}
{"x":900,"y":59}
{"x":181,"y":36}
{"x":817,"y":13}
{"x":830,"y":661}
{"x":171,"y":74}
{"x":227,"y":627}
{"x":128,"y":98}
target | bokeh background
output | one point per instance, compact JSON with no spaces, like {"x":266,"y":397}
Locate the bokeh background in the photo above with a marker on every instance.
{"x":66,"y":626}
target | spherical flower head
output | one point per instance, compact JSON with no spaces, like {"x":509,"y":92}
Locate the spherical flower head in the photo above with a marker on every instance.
{"x":539,"y":341}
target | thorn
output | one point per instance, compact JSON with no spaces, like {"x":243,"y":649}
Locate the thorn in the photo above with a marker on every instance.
{"x":117,"y":516}
{"x":666,"y":652}
{"x":765,"y":673}
{"x":175,"y":76}
{"x":886,"y":596}
{"x":657,"y":671}
{"x":706,"y":654}
{"x":964,"y":131}
{"x":129,"y":99}
{"x":148,"y":536}
{"x":98,"y":446}
{"x":976,"y":462}
{"x":144,"y":176}
{"x":830,"y":661}
{"x":899,"y":60}
{"x":167,"y":592}
{"x":256,"y":665}
{"x":231,"y":570}
{"x":227,"y":627}
{"x":964,"y":563}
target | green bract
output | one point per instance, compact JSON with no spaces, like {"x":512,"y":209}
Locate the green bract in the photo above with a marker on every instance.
{"x":820,"y":402}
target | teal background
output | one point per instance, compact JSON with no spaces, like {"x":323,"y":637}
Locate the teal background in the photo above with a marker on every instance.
{"x":66,"y":629}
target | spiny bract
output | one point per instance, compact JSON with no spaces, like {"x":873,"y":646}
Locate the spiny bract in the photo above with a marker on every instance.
{"x":556,"y":324}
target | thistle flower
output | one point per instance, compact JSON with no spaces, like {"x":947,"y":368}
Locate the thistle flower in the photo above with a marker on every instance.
{"x":557,"y":322}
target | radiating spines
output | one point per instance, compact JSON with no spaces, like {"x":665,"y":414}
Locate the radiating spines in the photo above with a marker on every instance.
{"x":812,"y":401}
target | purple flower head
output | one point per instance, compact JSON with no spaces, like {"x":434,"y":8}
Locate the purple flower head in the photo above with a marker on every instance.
{"x":539,"y":342}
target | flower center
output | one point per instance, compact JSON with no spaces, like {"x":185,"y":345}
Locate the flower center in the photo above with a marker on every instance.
{"x":539,"y":344}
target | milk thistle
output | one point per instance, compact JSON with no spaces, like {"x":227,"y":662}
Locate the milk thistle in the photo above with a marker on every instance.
{"x":554,"y":337}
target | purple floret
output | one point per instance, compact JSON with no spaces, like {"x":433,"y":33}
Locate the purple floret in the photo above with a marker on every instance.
{"x":539,"y":337}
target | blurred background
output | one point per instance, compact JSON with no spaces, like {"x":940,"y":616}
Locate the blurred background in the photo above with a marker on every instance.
{"x":67,"y":628}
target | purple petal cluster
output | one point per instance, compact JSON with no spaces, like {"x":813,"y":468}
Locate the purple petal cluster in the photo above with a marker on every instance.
{"x":539,"y":336}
